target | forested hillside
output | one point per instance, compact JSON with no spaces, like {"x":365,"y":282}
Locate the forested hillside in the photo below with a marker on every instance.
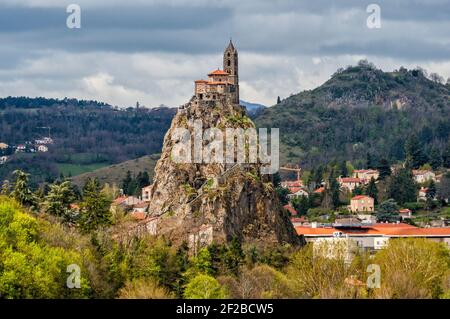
{"x":362,"y":110}
{"x":87,"y":135}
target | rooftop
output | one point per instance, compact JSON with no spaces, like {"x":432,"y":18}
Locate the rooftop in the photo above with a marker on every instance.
{"x":380,"y":229}
{"x":218,"y":72}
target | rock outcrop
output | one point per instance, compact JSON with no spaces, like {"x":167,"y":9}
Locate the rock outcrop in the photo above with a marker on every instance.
{"x":214,"y":202}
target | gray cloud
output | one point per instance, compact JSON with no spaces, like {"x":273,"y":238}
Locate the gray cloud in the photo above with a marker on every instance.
{"x":285,"y":46}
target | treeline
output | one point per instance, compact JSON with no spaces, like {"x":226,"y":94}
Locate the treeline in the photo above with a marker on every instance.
{"x":391,"y":191}
{"x":42,"y":233}
{"x":84,"y":133}
{"x":362,"y":110}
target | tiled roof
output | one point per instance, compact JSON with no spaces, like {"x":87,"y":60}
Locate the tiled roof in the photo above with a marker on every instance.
{"x":350,"y":180}
{"x":218,"y":72}
{"x":141,"y":205}
{"x":320,"y":190}
{"x":294,"y":190}
{"x":290,"y":209}
{"x":119,"y":200}
{"x":138,"y":215}
{"x":361,"y":197}
{"x":394,"y":230}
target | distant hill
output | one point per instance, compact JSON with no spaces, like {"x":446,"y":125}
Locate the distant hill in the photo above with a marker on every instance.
{"x":117,"y":172}
{"x":253,"y":109}
{"x":87,"y":134}
{"x":361,"y":110}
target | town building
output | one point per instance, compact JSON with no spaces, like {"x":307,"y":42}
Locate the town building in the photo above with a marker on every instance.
{"x":320,"y":190}
{"x":349,"y":183}
{"x":146,"y":193}
{"x":44,"y":141}
{"x":422,"y":176}
{"x":42,"y":149}
{"x":221,"y":84}
{"x":374,"y":237}
{"x":366,"y":174}
{"x":295,"y":192}
{"x":290,"y":209}
{"x":21,"y":148}
{"x":405,"y":213}
{"x":3,"y":159}
{"x":361,"y":203}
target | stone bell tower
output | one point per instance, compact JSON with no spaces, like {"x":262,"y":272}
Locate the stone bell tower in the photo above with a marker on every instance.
{"x":230,"y":65}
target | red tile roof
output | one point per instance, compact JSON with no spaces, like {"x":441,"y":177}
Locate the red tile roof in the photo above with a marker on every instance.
{"x":141,"y":205}
{"x":119,"y":200}
{"x":358,"y":197}
{"x":218,"y":72}
{"x":350,"y":180}
{"x":320,"y":190}
{"x":290,"y":209}
{"x":393,"y":230}
{"x":201,"y":81}
{"x":138,"y":215}
{"x":294,"y":190}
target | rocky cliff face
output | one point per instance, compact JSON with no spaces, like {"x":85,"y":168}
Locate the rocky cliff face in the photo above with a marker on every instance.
{"x":206,"y":202}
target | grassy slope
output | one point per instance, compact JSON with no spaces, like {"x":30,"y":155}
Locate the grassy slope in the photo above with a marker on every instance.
{"x":116,"y":173}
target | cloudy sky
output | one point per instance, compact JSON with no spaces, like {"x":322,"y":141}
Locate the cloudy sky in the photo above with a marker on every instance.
{"x":151,"y":51}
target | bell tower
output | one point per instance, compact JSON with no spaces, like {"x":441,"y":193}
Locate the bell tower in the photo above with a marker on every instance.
{"x":230,"y":65}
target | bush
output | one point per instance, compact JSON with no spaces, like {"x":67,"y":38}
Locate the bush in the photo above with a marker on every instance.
{"x":204,"y":287}
{"x":413,"y":268}
{"x":145,"y":288}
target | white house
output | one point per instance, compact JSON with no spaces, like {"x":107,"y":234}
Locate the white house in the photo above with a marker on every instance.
{"x":422,"y":176}
{"x":42,"y":148}
{"x":3,"y":159}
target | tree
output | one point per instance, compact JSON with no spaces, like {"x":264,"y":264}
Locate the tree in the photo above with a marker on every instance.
{"x":282,"y":192}
{"x":58,"y":200}
{"x":412,"y":268}
{"x":384,"y":169}
{"x":372,"y":190}
{"x":435,"y":158}
{"x":357,"y":191}
{"x":332,"y":191}
{"x":370,"y":163}
{"x":31,"y":268}
{"x":401,"y":187}
{"x":21,"y":191}
{"x":431,"y":192}
{"x":234,"y":256}
{"x":388,"y":211}
{"x":143,"y":288}
{"x":278,"y":100}
{"x":415,"y":155}
{"x":204,"y":287}
{"x":446,"y":156}
{"x":143,"y":179}
{"x":301,"y":205}
{"x":6,"y":188}
{"x":127,"y":182}
{"x":436,"y":78}
{"x":443,"y":189}
{"x":343,"y":170}
{"x":95,"y":208}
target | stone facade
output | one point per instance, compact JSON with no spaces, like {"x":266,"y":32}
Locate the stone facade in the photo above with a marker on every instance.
{"x":221,"y":84}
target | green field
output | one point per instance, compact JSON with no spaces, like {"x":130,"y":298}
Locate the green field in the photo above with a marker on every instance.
{"x":77,"y":169}
{"x":114,"y":174}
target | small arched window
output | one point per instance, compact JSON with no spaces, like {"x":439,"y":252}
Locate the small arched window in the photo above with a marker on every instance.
{"x":229,"y":62}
